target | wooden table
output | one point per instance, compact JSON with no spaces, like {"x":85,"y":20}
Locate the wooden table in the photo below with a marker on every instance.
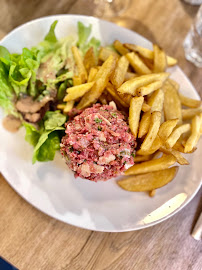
{"x":31,"y":240}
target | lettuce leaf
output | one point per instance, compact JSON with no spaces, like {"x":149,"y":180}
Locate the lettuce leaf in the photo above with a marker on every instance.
{"x":53,"y":120}
{"x":47,"y":145}
{"x":32,"y":134}
{"x":83,"y":39}
{"x":50,"y":37}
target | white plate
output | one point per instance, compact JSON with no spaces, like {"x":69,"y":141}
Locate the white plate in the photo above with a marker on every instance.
{"x":51,"y":187}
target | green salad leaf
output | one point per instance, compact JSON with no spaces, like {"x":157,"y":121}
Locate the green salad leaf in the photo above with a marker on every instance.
{"x":51,"y":34}
{"x":83,"y":39}
{"x":53,"y":120}
{"x":32,"y":134}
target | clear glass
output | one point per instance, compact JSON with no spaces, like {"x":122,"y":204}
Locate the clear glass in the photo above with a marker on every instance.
{"x":100,"y":8}
{"x":193,"y":41}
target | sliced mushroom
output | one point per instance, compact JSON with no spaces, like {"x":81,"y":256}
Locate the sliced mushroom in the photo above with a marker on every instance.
{"x":32,"y":117}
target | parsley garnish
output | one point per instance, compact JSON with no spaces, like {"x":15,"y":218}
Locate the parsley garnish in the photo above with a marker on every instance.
{"x":114,"y":114}
{"x":99,"y":128}
{"x":98,"y":120}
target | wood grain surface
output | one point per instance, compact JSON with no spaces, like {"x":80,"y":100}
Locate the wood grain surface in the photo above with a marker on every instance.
{"x":31,"y":240}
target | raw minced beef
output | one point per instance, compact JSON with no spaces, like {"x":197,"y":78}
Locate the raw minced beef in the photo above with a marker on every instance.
{"x":98,"y":144}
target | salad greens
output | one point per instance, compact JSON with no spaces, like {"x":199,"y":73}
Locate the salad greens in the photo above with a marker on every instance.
{"x":41,"y":73}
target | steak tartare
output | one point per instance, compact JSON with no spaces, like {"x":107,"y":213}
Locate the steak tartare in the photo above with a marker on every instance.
{"x":98,"y":144}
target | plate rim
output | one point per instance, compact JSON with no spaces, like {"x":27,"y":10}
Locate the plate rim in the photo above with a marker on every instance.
{"x":143,"y":226}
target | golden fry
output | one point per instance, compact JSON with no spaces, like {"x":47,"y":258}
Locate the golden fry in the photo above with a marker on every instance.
{"x":148,"y":181}
{"x":189,"y":102}
{"x":92,"y":73}
{"x":115,"y":95}
{"x":145,"y":107}
{"x":152,"y":132}
{"x":101,"y":79}
{"x":68,"y":106}
{"x":131,"y":85}
{"x":77,"y":91}
{"x":76,"y":80}
{"x":180,"y":159}
{"x":120,"y":48}
{"x":137,"y":63}
{"x":144,"y":124}
{"x":148,"y":54}
{"x":172,"y":104}
{"x":156,"y":100}
{"x":134,"y":114}
{"x":175,"y":135}
{"x":195,"y":134}
{"x":160,"y":61}
{"x":190,"y":113}
{"x":106,"y":52}
{"x":148,"y":89}
{"x":79,"y":63}
{"x":142,"y":158}
{"x":153,"y":165}
{"x":152,"y":193}
{"x":89,"y":60}
{"x":120,"y":71}
{"x":130,"y":75}
{"x":166,"y":128}
{"x":155,"y":146}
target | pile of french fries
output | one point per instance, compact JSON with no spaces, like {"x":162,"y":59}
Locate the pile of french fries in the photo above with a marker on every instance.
{"x":165,"y":123}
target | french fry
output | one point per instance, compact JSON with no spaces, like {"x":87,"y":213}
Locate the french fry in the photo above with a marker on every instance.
{"x":156,"y":100}
{"x":61,"y":107}
{"x":146,"y":53}
{"x":166,"y":128}
{"x":92,"y":73}
{"x":106,"y":52}
{"x":142,"y":158}
{"x":115,"y":95}
{"x":68,"y":106}
{"x":190,"y":113}
{"x":149,"y":54}
{"x":77,"y":80}
{"x":101,"y":79}
{"x":148,"y":89}
{"x":103,"y":99}
{"x":120,"y":48}
{"x":79,"y":63}
{"x":155,"y":146}
{"x":189,"y":102}
{"x":152,"y":132}
{"x":89,"y":60}
{"x":195,"y":134}
{"x":132,"y":85}
{"x":180,"y":159}
{"x":148,"y":181}
{"x":174,"y":83}
{"x":77,"y":91}
{"x":144,"y":124}
{"x":175,"y":135}
{"x":119,"y":73}
{"x":145,"y":107}
{"x":130,"y":75}
{"x":134,"y":114}
{"x":157,"y":154}
{"x":172,"y":104}
{"x":152,"y":193}
{"x":153,"y":165}
{"x":137,"y":63}
{"x":160,"y":62}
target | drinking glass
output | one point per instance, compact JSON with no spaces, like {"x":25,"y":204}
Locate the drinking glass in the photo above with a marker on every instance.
{"x":193,"y":41}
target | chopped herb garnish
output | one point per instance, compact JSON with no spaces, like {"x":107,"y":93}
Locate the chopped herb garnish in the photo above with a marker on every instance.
{"x":133,"y":154}
{"x":99,"y":128}
{"x":71,"y":149}
{"x":98,"y":120}
{"x":114,"y":114}
{"x":124,"y":162}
